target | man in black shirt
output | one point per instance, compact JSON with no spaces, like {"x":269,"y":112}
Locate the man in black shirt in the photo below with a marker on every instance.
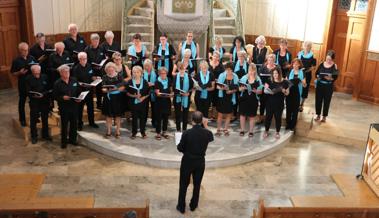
{"x":64,"y":89}
{"x":96,"y":55}
{"x":41,"y":51}
{"x":74,"y":43}
{"x":193,"y":145}
{"x":21,"y":68}
{"x":56,"y":59}
{"x":84,"y":74}
{"x":37,"y":87}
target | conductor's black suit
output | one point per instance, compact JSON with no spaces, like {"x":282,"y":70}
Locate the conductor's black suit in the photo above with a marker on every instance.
{"x":193,"y":145}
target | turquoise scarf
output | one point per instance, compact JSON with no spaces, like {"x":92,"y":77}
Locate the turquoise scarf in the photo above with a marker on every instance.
{"x":167,"y":53}
{"x":245,"y":80}
{"x":238,"y":67}
{"x":132,"y":50}
{"x":301,"y":54}
{"x":220,"y":50}
{"x":204,"y":81}
{"x":163,"y":82}
{"x":278,"y":54}
{"x":153,"y":78}
{"x":180,"y":98}
{"x":301,"y":77}
{"x":136,"y":101}
{"x":193,"y":48}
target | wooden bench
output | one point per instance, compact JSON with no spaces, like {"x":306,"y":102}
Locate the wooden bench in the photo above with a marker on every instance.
{"x":314,"y":212}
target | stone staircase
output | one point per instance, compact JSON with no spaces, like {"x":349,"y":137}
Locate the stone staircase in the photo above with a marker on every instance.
{"x":224,"y":25}
{"x":140,"y":19}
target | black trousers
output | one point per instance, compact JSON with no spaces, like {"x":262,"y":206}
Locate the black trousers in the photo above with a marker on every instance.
{"x":188,"y":167}
{"x":161,"y":122}
{"x":69,"y":123}
{"x":90,"y":110}
{"x":292,"y":112}
{"x":324,"y":93}
{"x":99,"y":96}
{"x":181,"y":116}
{"x":21,"y":106}
{"x":37,"y":109}
{"x":273,"y":112}
{"x":262,"y":101}
{"x":139,"y":116}
{"x":308,"y":78}
{"x":203,"y":105}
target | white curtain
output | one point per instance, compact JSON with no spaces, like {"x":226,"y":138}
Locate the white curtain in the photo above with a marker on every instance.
{"x":293,"y":19}
{"x":374,"y":38}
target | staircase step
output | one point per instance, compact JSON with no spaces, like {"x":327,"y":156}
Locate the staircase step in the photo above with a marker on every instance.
{"x":227,"y":38}
{"x":138,"y":28}
{"x":227,"y":46}
{"x":145,"y":37}
{"x":219,"y":13}
{"x":146,"y":12}
{"x":135,"y":19}
{"x":224,"y":21}
{"x":150,"y":4}
{"x":225,"y":30}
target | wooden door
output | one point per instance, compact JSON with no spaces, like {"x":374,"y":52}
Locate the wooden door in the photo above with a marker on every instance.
{"x":9,"y":39}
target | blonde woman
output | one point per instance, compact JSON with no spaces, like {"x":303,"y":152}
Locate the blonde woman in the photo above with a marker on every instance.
{"x":217,"y":47}
{"x":187,"y":64}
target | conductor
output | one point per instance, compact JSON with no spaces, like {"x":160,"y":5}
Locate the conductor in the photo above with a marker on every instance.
{"x":193,"y":145}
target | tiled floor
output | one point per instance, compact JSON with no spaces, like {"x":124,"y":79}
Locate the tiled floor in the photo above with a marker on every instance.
{"x":301,"y":168}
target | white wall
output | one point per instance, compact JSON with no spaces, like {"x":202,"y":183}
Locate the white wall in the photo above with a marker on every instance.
{"x":294,"y":19}
{"x":53,"y":16}
{"x":374,"y":38}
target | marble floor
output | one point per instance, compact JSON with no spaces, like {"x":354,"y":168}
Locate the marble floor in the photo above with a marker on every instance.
{"x":301,"y":168}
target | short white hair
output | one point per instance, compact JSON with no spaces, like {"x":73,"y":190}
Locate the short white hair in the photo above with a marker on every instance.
{"x":260,"y":38}
{"x":59,"y":44}
{"x":147,"y":62}
{"x":71,"y":26}
{"x":35,"y":67}
{"x":306,"y":43}
{"x":136,"y":69}
{"x":94,"y":36}
{"x":204,"y":63}
{"x":110,"y":65}
{"x":82,"y":55}
{"x":63,"y":67}
{"x":109,"y":34}
{"x":242,"y":53}
{"x":187,"y":52}
{"x":23,"y":45}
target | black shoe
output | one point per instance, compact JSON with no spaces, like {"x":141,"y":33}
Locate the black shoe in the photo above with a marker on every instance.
{"x":80,"y":127}
{"x":181,"y":210}
{"x":94,"y":125}
{"x":34,"y":140}
{"x":23,"y":123}
{"x":192,"y":207}
{"x":47,"y":138}
{"x":64,"y":145}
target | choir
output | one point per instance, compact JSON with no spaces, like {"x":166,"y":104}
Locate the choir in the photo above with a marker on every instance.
{"x":73,"y":73}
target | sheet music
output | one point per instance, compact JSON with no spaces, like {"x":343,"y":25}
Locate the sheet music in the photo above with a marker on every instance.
{"x":81,"y":96}
{"x":178,"y":137}
{"x":93,"y":83}
{"x":36,"y":93}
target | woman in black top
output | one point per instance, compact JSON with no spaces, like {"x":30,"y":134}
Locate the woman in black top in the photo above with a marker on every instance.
{"x":137,"y":51}
{"x":125,"y":74}
{"x":275,"y":91}
{"x":163,"y":91}
{"x":283,"y":58}
{"x":112,"y":107}
{"x":167,"y":54}
{"x":227,"y":86}
{"x":297,"y":80}
{"x":138,"y":91}
{"x":326,"y":74}
{"x":308,"y":61}
{"x":217,"y":47}
{"x":216,"y":68}
{"x":187,"y":63}
{"x":265,"y":75}
{"x":241,"y":65}
{"x":260,"y":52}
{"x":203,"y":95}
{"x":250,"y":87}
{"x":41,"y":51}
{"x":238,"y":45}
{"x":182,"y":86}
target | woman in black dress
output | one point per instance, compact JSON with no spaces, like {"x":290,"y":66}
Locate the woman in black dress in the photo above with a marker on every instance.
{"x":309,"y":62}
{"x":227,"y":85}
{"x":203,"y":95}
{"x":163,"y":92}
{"x":138,"y":91}
{"x":216,"y":68}
{"x":297,"y":81}
{"x":326,"y":74}
{"x":125,"y":73}
{"x":250,"y":87}
{"x":187,"y":63}
{"x":241,"y":65}
{"x":112,"y":108}
{"x":182,"y":86}
{"x":238,"y":45}
{"x":275,"y":91}
{"x":137,"y":52}
{"x":260,"y":52}
{"x":265,"y":75}
{"x":150,"y":76}
{"x":283,"y":58}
